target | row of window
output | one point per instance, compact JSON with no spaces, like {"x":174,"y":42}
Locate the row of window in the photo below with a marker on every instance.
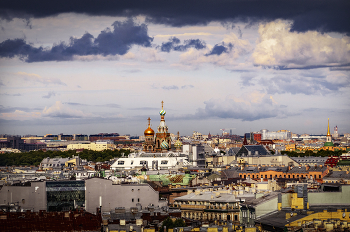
{"x":142,"y":162}
{"x":285,"y":176}
{"x":52,"y":165}
{"x":138,"y":200}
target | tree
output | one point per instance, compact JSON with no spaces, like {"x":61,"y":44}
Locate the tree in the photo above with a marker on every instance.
{"x":170,"y":224}
{"x":179,"y":223}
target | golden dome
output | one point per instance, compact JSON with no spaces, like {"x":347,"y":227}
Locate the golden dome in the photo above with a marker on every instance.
{"x":149,"y":130}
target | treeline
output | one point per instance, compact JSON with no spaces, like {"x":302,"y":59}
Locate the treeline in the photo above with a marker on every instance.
{"x":322,"y":153}
{"x":35,"y":157}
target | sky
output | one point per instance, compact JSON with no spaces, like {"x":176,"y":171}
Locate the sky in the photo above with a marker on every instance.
{"x":87,"y":67}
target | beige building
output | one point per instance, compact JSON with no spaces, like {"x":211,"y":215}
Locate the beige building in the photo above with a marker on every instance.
{"x":95,"y":146}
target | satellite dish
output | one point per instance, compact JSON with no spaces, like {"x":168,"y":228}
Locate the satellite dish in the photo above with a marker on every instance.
{"x":343,"y":215}
{"x":291,"y":214}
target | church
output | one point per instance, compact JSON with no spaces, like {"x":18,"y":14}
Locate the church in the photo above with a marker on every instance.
{"x":161,"y":141}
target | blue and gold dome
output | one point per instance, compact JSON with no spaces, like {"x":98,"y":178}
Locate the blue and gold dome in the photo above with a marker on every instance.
{"x":178,"y":144}
{"x":164,"y":145}
{"x":162,"y":111}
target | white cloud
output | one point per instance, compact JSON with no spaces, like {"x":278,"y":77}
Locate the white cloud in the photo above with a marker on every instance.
{"x":59,"y":110}
{"x":278,"y":46}
{"x":37,"y":78}
{"x":250,"y":107}
{"x":308,"y":82}
{"x":149,"y":55}
{"x":20,"y":115}
{"x":185,"y":34}
{"x":96,"y":57}
{"x":240,"y":48}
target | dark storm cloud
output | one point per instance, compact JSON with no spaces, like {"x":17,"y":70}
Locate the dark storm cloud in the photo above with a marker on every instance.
{"x":174,"y":44}
{"x":323,"y":15}
{"x":109,"y":42}
{"x":218,"y":49}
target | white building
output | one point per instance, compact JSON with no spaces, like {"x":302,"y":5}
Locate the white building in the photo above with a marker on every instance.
{"x":152,"y":161}
{"x":281,"y":134}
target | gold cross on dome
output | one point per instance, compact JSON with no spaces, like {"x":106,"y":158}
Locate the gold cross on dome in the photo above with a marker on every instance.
{"x":149,"y":121}
{"x":162,"y":104}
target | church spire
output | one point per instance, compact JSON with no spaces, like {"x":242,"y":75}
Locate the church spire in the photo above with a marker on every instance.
{"x":328,"y":132}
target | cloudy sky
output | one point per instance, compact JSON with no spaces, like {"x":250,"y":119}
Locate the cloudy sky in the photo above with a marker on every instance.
{"x":105,"y":66}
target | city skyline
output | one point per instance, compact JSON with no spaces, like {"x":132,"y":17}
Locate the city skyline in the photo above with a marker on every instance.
{"x":86,"y":68}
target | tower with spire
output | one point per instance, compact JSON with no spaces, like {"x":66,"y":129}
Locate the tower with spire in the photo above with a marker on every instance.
{"x":162,"y":140}
{"x":178,"y":143}
{"x":148,"y":145}
{"x":328,"y":142}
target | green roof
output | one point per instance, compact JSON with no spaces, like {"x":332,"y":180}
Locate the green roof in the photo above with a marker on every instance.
{"x":328,"y":144}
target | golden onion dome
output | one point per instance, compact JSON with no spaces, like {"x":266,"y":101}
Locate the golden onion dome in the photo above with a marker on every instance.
{"x":149,"y":131}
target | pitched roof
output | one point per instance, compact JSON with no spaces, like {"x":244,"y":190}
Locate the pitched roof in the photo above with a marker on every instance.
{"x":253,"y":150}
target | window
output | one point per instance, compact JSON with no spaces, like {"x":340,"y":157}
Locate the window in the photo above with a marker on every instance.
{"x":121,"y":162}
{"x":132,"y":162}
{"x":142,"y":162}
{"x":164,"y":162}
{"x":138,"y":199}
{"x":132,"y":190}
{"x":132,"y":200}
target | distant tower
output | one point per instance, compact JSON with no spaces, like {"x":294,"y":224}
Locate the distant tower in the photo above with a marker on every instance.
{"x":245,"y":140}
{"x":178,"y":144}
{"x":148,"y":145}
{"x":328,"y":142}
{"x":163,"y":141}
{"x":335,"y":134}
